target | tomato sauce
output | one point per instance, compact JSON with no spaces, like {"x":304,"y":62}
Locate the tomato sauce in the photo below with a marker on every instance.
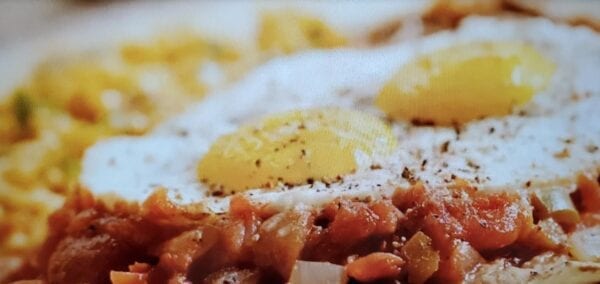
{"x":419,"y":235}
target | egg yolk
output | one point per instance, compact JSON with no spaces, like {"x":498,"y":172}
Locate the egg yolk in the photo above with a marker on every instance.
{"x":466,"y":82}
{"x":294,"y":148}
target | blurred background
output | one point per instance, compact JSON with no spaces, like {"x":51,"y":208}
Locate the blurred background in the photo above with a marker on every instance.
{"x":27,"y":18}
{"x":20,"y":19}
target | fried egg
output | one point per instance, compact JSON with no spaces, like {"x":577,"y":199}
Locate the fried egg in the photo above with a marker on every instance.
{"x":232,"y":141}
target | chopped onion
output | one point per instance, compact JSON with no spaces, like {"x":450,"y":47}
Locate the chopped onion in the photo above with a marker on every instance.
{"x":422,"y":259}
{"x":556,"y":203}
{"x":547,"y":235}
{"x":309,"y":272}
{"x":585,"y":244}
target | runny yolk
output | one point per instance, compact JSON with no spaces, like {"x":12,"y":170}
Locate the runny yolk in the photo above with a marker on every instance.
{"x":466,"y":82}
{"x":294,"y":148}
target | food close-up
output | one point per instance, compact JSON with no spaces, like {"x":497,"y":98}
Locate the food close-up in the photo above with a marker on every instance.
{"x":442,"y":141}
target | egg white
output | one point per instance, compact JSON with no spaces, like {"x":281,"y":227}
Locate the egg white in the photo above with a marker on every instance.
{"x":513,"y":152}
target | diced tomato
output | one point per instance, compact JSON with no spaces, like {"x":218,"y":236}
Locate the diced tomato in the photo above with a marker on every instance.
{"x":422,"y":259}
{"x":388,"y":217}
{"x":241,"y":207}
{"x":139,"y":267}
{"x":234,"y":233}
{"x":461,"y":259}
{"x":159,"y":208}
{"x":486,"y":220}
{"x":442,"y":228}
{"x":378,"y":265}
{"x":590,"y":194}
{"x":178,"y":253}
{"x":241,"y":227}
{"x":462,"y":221}
{"x":281,"y":241}
{"x":410,"y":198}
{"x":354,"y":221}
{"x":347,"y":227}
{"x":492,"y":221}
{"x":120,"y":277}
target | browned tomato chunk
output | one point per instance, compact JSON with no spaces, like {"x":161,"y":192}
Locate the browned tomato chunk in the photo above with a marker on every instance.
{"x":378,"y":265}
{"x":281,"y":240}
{"x":422,"y":259}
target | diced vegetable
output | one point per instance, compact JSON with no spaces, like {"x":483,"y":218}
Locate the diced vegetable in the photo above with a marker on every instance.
{"x":388,"y":217}
{"x":406,"y":199}
{"x":486,"y":220}
{"x":282,"y":238}
{"x":547,"y":234}
{"x":378,"y":265}
{"x":585,"y":244}
{"x":120,"y":277}
{"x":243,"y":228}
{"x":179,"y":252}
{"x":23,"y":109}
{"x":590,"y":194}
{"x":139,"y":267}
{"x":461,"y":260}
{"x":422,"y":259}
{"x":493,"y":221}
{"x":159,"y":208}
{"x":309,"y":272}
{"x":556,"y":203}
{"x":353,"y":222}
